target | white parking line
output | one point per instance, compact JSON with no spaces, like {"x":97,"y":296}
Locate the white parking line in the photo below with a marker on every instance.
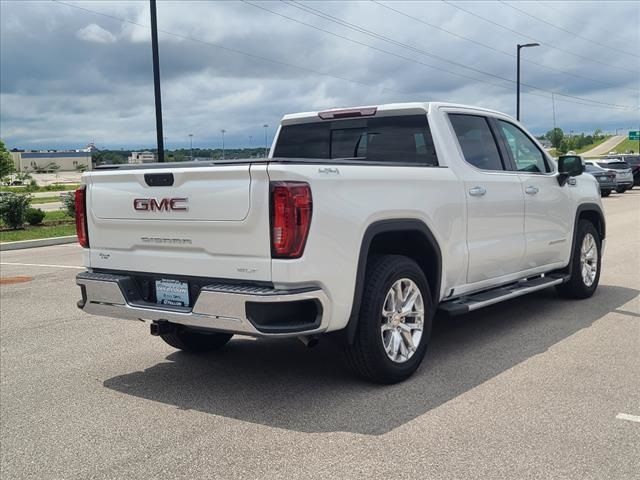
{"x":626,"y":416}
{"x":40,"y":265}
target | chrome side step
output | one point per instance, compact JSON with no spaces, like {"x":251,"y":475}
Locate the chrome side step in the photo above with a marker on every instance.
{"x":475,"y":301}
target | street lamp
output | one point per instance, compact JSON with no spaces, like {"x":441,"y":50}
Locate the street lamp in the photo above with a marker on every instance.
{"x":265,"y":126}
{"x":526,"y":45}
{"x":191,"y":146}
{"x":222,"y":131}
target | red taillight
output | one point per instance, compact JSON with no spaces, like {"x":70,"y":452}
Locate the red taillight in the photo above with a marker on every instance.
{"x":290,"y":218}
{"x":81,"y":216}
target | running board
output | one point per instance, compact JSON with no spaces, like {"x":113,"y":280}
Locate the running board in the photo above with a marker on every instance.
{"x":472,"y":302}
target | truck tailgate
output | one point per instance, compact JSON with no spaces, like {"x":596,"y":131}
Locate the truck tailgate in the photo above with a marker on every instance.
{"x":211,"y":221}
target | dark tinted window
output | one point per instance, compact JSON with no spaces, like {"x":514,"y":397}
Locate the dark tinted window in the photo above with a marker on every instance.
{"x":476,"y":141}
{"x":615,"y":165}
{"x":402,"y":139}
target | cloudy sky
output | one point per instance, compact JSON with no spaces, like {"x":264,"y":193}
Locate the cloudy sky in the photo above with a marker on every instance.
{"x":73,"y":72}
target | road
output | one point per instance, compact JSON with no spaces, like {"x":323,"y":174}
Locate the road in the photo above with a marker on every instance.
{"x":48,"y":207}
{"x":605,"y":147}
{"x":527,"y":389}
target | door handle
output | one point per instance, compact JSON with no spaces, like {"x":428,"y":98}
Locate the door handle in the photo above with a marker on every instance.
{"x":531,"y":190}
{"x":477,"y":191}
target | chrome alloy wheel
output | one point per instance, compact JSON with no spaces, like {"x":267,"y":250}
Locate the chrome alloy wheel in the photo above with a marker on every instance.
{"x":402,"y":320}
{"x":589,"y":259}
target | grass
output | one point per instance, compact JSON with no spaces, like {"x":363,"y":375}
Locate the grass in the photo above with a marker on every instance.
{"x":32,"y":233}
{"x":55,"y":224}
{"x":56,"y":187}
{"x":38,"y":200}
{"x":586,"y":148}
{"x":627,"y":145}
{"x":57,"y":216}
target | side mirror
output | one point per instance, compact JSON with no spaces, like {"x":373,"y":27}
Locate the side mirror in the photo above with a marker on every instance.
{"x":569,"y":166}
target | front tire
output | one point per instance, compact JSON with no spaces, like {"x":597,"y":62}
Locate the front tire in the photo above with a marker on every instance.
{"x":605,"y":193}
{"x":621,"y":189}
{"x":195,"y":341}
{"x":394,"y":323}
{"x":585,"y":263}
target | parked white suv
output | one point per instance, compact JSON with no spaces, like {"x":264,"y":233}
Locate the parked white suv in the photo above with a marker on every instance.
{"x":361,"y":223}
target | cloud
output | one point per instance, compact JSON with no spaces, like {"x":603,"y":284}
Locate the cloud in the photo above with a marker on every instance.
{"x":234,"y":66}
{"x":95,"y":33}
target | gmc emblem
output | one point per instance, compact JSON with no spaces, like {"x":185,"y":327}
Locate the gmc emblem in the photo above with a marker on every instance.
{"x":160,"y":205}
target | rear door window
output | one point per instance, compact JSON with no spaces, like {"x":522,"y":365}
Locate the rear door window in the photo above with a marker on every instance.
{"x":399,"y":139}
{"x":476,"y":141}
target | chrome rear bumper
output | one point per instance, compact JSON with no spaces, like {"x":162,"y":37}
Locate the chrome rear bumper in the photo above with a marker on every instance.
{"x":218,"y":307}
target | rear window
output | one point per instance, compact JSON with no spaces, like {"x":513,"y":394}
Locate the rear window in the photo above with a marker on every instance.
{"x":615,"y":165}
{"x":401,"y":139}
{"x":476,"y":141}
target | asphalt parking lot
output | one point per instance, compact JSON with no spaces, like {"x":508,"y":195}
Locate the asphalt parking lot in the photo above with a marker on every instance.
{"x":538,"y":387}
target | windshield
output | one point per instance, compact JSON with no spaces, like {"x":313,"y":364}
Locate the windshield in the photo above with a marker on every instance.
{"x":399,"y":139}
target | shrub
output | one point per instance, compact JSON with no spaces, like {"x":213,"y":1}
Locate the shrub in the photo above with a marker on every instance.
{"x":34,"y":216}
{"x":69,"y":203}
{"x":32,"y":186}
{"x":13,"y":208}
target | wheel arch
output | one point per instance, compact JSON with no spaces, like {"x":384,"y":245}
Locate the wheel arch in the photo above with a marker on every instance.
{"x":380,"y":238}
{"x":593,"y":213}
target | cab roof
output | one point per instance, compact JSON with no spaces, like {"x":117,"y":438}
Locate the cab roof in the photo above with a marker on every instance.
{"x":408,"y":108}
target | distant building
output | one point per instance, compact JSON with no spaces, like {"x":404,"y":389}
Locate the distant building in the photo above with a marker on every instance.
{"x":51,"y":161}
{"x":143,"y":157}
{"x":91,"y":147}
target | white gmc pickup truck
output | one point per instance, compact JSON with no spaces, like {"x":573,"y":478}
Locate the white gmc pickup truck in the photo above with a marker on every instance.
{"x":361,"y":223}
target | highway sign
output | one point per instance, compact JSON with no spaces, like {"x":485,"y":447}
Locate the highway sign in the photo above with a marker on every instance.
{"x":634,"y":134}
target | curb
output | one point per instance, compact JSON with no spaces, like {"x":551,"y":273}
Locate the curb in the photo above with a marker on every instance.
{"x":40,"y":242}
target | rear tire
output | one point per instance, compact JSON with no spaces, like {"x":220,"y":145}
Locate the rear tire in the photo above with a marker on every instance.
{"x":394,"y":322}
{"x":621,"y":189}
{"x":586,"y":255}
{"x":605,"y":193}
{"x":195,"y":341}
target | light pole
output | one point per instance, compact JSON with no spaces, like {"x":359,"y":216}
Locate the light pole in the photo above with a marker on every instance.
{"x":191,"y":146}
{"x":553,"y":105}
{"x":265,"y":126}
{"x":156,"y":79}
{"x":222,"y":131}
{"x":526,"y":45}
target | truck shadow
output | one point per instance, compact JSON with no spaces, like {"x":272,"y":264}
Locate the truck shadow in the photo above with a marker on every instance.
{"x":285,"y":385}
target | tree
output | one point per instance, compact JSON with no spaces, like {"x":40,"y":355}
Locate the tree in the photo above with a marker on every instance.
{"x":555,"y":136}
{"x":6,"y":162}
{"x":109,"y":157}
